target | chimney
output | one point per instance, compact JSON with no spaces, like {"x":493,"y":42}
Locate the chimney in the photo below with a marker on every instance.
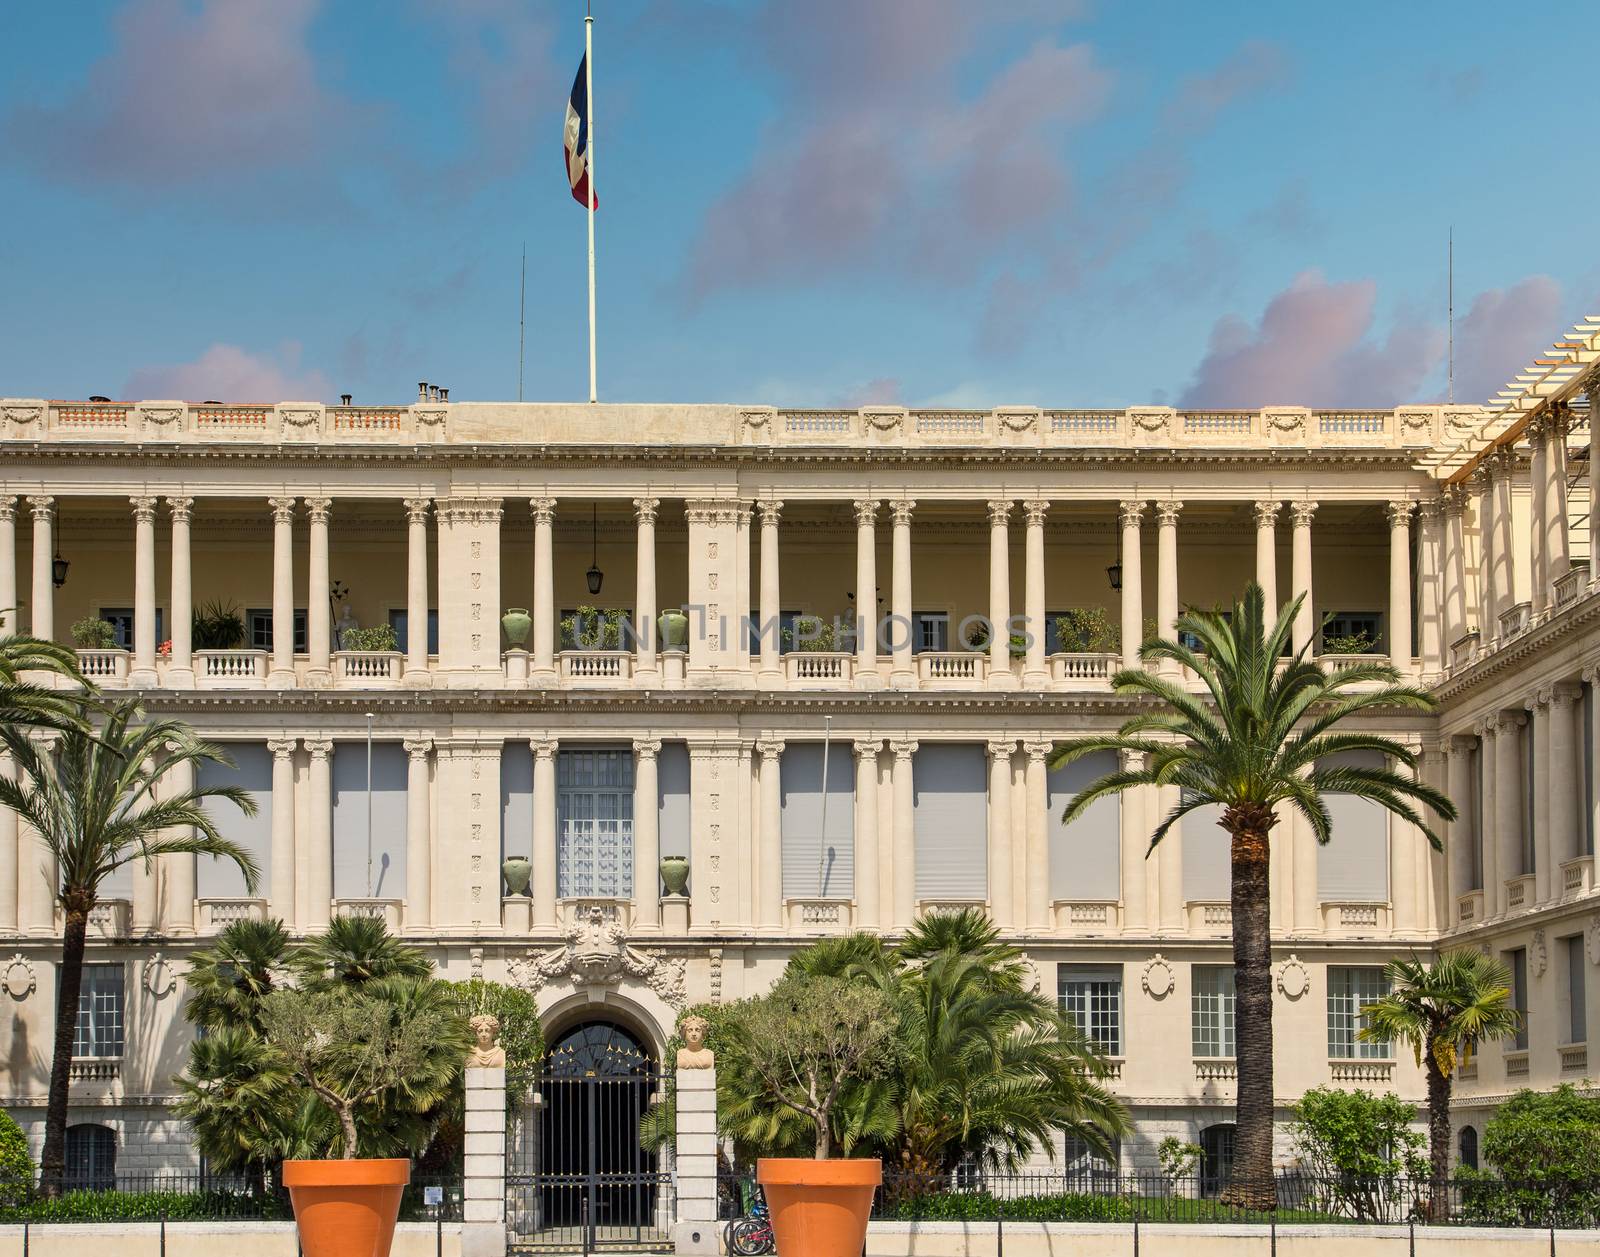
{"x":444,"y":394}
{"x":344,"y":399}
{"x":422,"y":390}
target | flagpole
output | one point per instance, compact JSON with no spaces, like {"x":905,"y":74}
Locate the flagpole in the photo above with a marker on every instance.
{"x":588,"y":87}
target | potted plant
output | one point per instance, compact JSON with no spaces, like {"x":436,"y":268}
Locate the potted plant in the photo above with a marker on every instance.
{"x":217,"y":626}
{"x":376,"y":637}
{"x":517,"y":624}
{"x":675,"y":874}
{"x":93,"y":633}
{"x":800,"y":1044}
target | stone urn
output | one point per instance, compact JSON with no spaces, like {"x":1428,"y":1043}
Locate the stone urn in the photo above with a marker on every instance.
{"x":675,"y":874}
{"x":517,"y":624}
{"x":674,"y":628}
{"x":518,"y":872}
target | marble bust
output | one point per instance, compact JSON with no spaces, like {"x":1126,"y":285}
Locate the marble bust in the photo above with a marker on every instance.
{"x":486,"y":1052}
{"x":694,"y":1054}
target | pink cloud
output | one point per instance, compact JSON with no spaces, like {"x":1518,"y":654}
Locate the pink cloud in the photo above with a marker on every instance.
{"x":883,"y":391}
{"x":1504,"y":330}
{"x":1256,"y":66}
{"x":228,"y":373}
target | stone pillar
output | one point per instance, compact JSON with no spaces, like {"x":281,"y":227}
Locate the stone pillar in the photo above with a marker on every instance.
{"x":468,"y":596}
{"x":1036,"y":672}
{"x":41,"y":612}
{"x":10,"y":906}
{"x":143,"y":669}
{"x":483,"y":1179}
{"x":904,"y":676}
{"x":1539,"y":707}
{"x":544,"y":832}
{"x":1566,"y":780}
{"x":1000,"y":837}
{"x":281,"y":861}
{"x":1463,"y":830}
{"x":417,"y":673}
{"x":646,"y":835}
{"x":1502,"y":470}
{"x":1305,"y":620}
{"x":282,"y":674}
{"x":1430,"y":591}
{"x":319,"y":614}
{"x":866,"y":594}
{"x":1403,"y":840}
{"x":697,"y":1231}
{"x":1508,"y":795}
{"x":318,"y":849}
{"x":1489,"y":852}
{"x":178,"y":870}
{"x":868,"y":911}
{"x":37,"y":871}
{"x":10,"y":622}
{"x":544,"y":590}
{"x":1307,"y":900}
{"x":1267,"y":555}
{"x":419,"y":814}
{"x":1132,"y":516}
{"x":1454,"y":568}
{"x":1488,"y":625}
{"x":180,"y":664}
{"x":1167,"y":577}
{"x":646,"y":664}
{"x":1000,"y":677}
{"x":1400,"y":650}
{"x":1538,"y":506}
{"x":769,"y":862}
{"x":1169,"y":868}
{"x":1557,"y":548}
{"x":771,"y":606}
{"x":1036,"y":783}
{"x":904,"y":846}
{"x":1135,"y":835}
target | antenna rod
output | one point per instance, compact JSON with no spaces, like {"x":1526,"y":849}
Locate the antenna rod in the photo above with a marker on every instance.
{"x":522,"y":316}
{"x":1450,"y":314}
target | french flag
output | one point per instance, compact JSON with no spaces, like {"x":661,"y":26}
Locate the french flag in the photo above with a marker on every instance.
{"x":577,"y":136}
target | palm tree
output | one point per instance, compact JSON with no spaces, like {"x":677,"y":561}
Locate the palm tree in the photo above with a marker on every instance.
{"x":1259,"y":746}
{"x":1443,"y":1010}
{"x":353,"y":951}
{"x":228,"y":980}
{"x":26,"y":704}
{"x":94,"y":808}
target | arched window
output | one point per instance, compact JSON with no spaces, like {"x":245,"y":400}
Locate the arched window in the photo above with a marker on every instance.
{"x":598,"y":1049}
{"x":1216,"y":1157}
{"x":1468,"y":1148}
{"x":91,"y":1157}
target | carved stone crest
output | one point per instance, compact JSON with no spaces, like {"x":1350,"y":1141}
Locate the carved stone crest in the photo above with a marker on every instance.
{"x":1538,"y":955}
{"x":158,"y":976}
{"x":883,"y":418}
{"x":1416,"y":427}
{"x":1286,"y":423}
{"x":22,"y":413}
{"x":299,"y":420}
{"x":161,"y":414}
{"x":1292,"y":978}
{"x":19,"y":979}
{"x":597,"y":953}
{"x":1157,"y":976}
{"x":755,"y":418}
{"x":1018,"y":420}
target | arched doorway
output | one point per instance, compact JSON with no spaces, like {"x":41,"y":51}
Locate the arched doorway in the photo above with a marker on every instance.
{"x":1216,"y":1157}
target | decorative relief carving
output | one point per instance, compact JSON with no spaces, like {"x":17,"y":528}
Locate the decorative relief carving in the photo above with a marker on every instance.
{"x":19,"y":978}
{"x":597,"y":953}
{"x":22,"y":415}
{"x":1538,"y":955}
{"x":470,"y":511}
{"x":1018,"y":420}
{"x":1157,"y":977}
{"x":1293,"y":979}
{"x":1591,"y":938}
{"x":162,"y":414}
{"x":158,"y":976}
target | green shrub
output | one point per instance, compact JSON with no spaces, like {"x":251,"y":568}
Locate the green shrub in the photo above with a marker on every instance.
{"x":981,"y":1206}
{"x":217,"y":626}
{"x":1087,"y":630}
{"x":87,"y":1206}
{"x":374,"y":637}
{"x":16,"y":1166}
{"x":93,"y":633}
{"x":1347,"y":644}
{"x":590,"y":629}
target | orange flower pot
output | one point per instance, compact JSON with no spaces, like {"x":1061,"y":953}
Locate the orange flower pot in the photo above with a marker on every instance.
{"x":819,"y":1208}
{"x":346,"y":1208}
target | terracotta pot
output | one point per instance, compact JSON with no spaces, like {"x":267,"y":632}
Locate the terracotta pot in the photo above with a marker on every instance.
{"x":819,"y":1208}
{"x":346,"y":1208}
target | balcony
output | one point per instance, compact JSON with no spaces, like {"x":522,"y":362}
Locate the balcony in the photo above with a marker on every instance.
{"x":932,"y":907}
{"x":1569,"y":586}
{"x":1216,"y":1069}
{"x":1574,"y":1058}
{"x":1469,"y":908}
{"x":818,"y":669}
{"x":101,"y":1069}
{"x":1360,"y":919}
{"x":610,"y":910}
{"x":1577,"y":877}
{"x":1517,"y":1063}
{"x":389,"y":911}
{"x":106,"y":668}
{"x":952,"y":669}
{"x":230,"y":669}
{"x":1349,"y":1070}
{"x":368,"y":669}
{"x":217,"y":914}
{"x":111,"y":918}
{"x":819,"y":916}
{"x":1519,"y":893}
{"x":598,"y":668}
{"x":1083,"y":671}
{"x":1209,"y":918}
{"x":1085,"y":916}
{"x":1515,"y":619}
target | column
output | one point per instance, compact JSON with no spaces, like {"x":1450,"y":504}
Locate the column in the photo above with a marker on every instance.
{"x":1403,"y":840}
{"x":318,"y":906}
{"x":1502,"y":469}
{"x":145,"y":904}
{"x":1454,"y":567}
{"x":281,"y":864}
{"x":1000,"y":887}
{"x":1430,"y":587}
{"x":1000,"y":677}
{"x":904,"y":843}
{"x":1036,"y":672}
{"x":645,"y":665}
{"x":1463,"y":830}
{"x":417,"y":673}
{"x":180,"y":664}
{"x":1132,"y":516}
{"x":42,"y":610}
{"x":868,"y":908}
{"x":10,"y":917}
{"x":1539,"y":706}
{"x":1489,"y":852}
{"x":771,"y":596}
{"x":1557,"y":549}
{"x":1508,"y":798}
{"x":1566,"y":787}
{"x":180,"y":869}
{"x":419,"y":814}
{"x":544,"y":832}
{"x":1538,"y":505}
{"x":646,"y":834}
{"x":904,"y":633}
{"x":1488,"y":625}
{"x":769,"y":862}
{"x":1167,"y":575}
{"x":9,"y":620}
{"x":1400,"y":586}
{"x":1135,"y":835}
{"x":866,"y":594}
{"x":282,"y":674}
{"x":1267,"y":555}
{"x":143,"y":670}
{"x":38,"y":871}
{"x":1305,"y":620}
{"x":319,"y":629}
{"x":695,"y":1230}
{"x":1036,"y":781}
{"x":544,"y":590}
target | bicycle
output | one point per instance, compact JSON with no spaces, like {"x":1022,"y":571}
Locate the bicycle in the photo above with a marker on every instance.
{"x":751,"y":1235}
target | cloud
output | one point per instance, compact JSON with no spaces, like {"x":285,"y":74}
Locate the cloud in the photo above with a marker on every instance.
{"x":226,"y":89}
{"x":883,"y":391}
{"x":1255,"y":67}
{"x":231,"y":374}
{"x":1314,"y":347}
{"x":1502,"y":332}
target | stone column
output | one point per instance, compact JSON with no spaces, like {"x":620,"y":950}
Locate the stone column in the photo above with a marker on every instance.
{"x":10,"y":908}
{"x":319,"y":627}
{"x":1000,"y":885}
{"x":646,"y":834}
{"x":1463,"y":830}
{"x":769,"y":889}
{"x":1400,"y":651}
{"x":1403,"y":840}
{"x":771,"y":597}
{"x":544,"y":590}
{"x":646,"y":665}
{"x":1508,"y":796}
{"x":180,"y":664}
{"x":37,"y":871}
{"x":41,"y":612}
{"x":1538,"y":506}
{"x":1305,"y":621}
{"x":417,"y":673}
{"x":1488,"y":599}
{"x":143,"y":669}
{"x":281,"y":862}
{"x":1430,"y":594}
{"x":1557,"y":549}
{"x":866,"y":594}
{"x":1167,"y":575}
{"x":1489,"y":852}
{"x":282,"y":673}
{"x":1000,"y":677}
{"x":147,"y":881}
{"x":1036,"y":782}
{"x":1135,"y":836}
{"x":419,"y":815}
{"x":904,"y":846}
{"x":1564,"y":841}
{"x":1132,"y":516}
{"x":10,"y":622}
{"x":868,"y":911}
{"x":904,"y":676}
{"x":544,"y":832}
{"x":179,"y":869}
{"x":696,"y":1232}
{"x":1502,"y":469}
{"x":483,"y":1179}
{"x":318,"y":907}
{"x":1454,"y":567}
{"x":1267,"y":554}
{"x":1036,"y":672}
{"x":1539,"y":706}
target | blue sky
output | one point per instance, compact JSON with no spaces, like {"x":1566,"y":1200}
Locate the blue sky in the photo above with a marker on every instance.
{"x":820,"y":203}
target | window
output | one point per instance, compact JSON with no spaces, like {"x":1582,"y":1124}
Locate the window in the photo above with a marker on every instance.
{"x":258,"y":629}
{"x":1092,"y":997}
{"x":1212,"y":1009}
{"x":784,"y":630}
{"x":1085,"y":1167}
{"x":99,"y":1031}
{"x":399,"y":622}
{"x":1350,"y":990}
{"x":1349,"y":625}
{"x":1517,"y":962}
{"x":1577,"y":1020}
{"x":594,"y":810}
{"x":1467,"y":1148}
{"x":1216,"y":1156}
{"x":91,"y":1156}
{"x":121,"y":621}
{"x":930,"y":630}
{"x":1189,"y":639}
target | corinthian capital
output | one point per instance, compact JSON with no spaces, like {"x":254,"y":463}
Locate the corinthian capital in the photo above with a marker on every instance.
{"x":1267,"y":514}
{"x":1302,"y":513}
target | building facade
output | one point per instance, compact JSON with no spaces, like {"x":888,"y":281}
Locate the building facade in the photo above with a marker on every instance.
{"x":832,"y":738}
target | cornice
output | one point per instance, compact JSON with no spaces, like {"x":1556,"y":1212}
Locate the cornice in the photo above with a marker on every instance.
{"x":1578,"y":618}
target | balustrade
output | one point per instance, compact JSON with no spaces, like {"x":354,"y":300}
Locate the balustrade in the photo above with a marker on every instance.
{"x":220,"y":669}
{"x":106,"y":668}
{"x":377,"y":669}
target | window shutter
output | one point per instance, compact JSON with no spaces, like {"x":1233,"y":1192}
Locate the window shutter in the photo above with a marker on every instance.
{"x":1207,"y":856}
{"x":817,"y":865}
{"x":388,"y":820}
{"x":1354,"y":866}
{"x":252,"y":771}
{"x":951,"y":817}
{"x":1086,"y":856}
